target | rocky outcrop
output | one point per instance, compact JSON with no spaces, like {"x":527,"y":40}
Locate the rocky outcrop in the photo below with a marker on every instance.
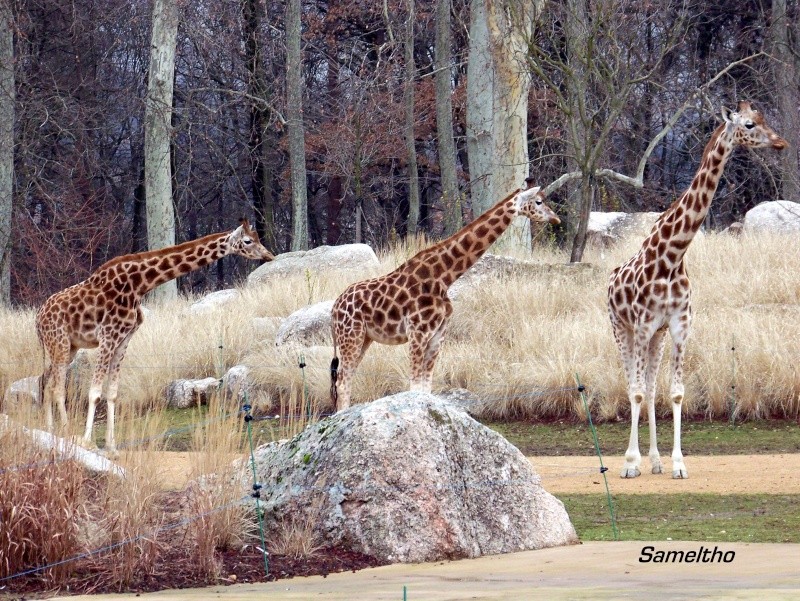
{"x":182,"y":394}
{"x":780,"y":216}
{"x":608,"y":228}
{"x":410,"y":478}
{"x":350,"y":259}
{"x":214,"y":300}
{"x":309,"y":326}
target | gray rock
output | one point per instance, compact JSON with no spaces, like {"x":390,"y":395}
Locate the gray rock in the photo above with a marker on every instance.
{"x":608,"y":228}
{"x":781,"y":216}
{"x":464,"y":399}
{"x":182,"y":394}
{"x":236,"y":383}
{"x":214,"y":300}
{"x":308,"y":326}
{"x":351,"y":258}
{"x":410,"y":478}
{"x":27,"y":390}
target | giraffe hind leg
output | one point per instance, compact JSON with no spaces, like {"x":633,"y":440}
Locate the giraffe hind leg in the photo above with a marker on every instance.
{"x":655,"y":351}
{"x":633,"y":458}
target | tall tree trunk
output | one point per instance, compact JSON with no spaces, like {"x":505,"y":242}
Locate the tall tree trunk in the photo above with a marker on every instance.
{"x":259,"y":117}
{"x":408,"y":104}
{"x":7,"y":99}
{"x":157,"y":134}
{"x":497,"y":104}
{"x":294,"y":126}
{"x":580,"y":205}
{"x":451,"y":199}
{"x":785,"y":68}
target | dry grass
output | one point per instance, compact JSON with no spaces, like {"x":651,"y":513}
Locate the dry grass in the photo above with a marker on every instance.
{"x":513,"y":342}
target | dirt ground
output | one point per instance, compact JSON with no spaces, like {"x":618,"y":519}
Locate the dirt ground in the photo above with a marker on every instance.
{"x":724,"y":474}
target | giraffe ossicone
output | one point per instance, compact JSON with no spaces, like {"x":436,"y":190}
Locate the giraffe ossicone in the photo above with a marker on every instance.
{"x":650,"y":294}
{"x":410,"y":304}
{"x":104,"y":311}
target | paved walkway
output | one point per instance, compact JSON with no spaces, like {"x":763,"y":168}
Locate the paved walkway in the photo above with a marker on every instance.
{"x":592,"y":571}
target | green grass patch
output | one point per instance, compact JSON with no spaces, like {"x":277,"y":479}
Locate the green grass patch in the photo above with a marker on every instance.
{"x":697,"y":437}
{"x":696,"y":517}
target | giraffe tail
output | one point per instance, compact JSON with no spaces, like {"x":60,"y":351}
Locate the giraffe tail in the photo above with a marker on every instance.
{"x":334,"y":377}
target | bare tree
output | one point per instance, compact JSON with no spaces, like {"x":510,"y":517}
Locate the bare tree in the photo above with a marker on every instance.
{"x":408,"y":133}
{"x":497,"y":103}
{"x":294,"y":125}
{"x":7,"y":100}
{"x":451,"y":199}
{"x":785,"y":34}
{"x":158,"y":133}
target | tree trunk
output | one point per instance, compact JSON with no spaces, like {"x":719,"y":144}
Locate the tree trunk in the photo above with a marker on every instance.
{"x":785,"y":68}
{"x":158,"y":114}
{"x":497,"y":104}
{"x":259,"y":117}
{"x":7,"y":99}
{"x":408,"y":104}
{"x":294,"y":126}
{"x":580,"y":200}
{"x":451,"y":199}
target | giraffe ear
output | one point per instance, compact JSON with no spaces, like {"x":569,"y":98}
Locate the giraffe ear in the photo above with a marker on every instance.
{"x":727,"y":114}
{"x":528,"y":183}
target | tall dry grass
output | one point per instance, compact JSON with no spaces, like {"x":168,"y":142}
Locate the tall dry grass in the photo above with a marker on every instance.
{"x":516,"y":342}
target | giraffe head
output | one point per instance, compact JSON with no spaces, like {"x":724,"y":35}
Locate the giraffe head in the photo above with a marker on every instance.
{"x":530,"y":203}
{"x":244,"y":241}
{"x":750,"y":129}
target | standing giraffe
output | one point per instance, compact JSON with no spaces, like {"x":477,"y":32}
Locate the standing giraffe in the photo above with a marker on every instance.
{"x":651,"y":293}
{"x":104,"y":311}
{"x":410,"y":304}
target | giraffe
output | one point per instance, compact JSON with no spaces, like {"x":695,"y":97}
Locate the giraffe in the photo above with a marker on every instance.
{"x":104,"y":311}
{"x":650,"y":294}
{"x":410,"y":304}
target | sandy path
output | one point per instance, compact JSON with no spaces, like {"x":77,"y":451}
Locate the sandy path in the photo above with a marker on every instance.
{"x":588,"y":571}
{"x":724,"y":474}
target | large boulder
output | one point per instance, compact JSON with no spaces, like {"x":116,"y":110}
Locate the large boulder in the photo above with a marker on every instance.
{"x":409,"y":478}
{"x":309,"y":326}
{"x":183,"y":393}
{"x":352,"y":259}
{"x":781,"y":216}
{"x":214,"y":300}
{"x":607,"y":228}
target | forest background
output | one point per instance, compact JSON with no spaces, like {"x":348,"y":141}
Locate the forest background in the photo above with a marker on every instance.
{"x":132,"y":124}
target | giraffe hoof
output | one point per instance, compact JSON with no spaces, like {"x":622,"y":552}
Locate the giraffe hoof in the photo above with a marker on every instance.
{"x":657,"y":469}
{"x":680,"y":474}
{"x":630,"y":472}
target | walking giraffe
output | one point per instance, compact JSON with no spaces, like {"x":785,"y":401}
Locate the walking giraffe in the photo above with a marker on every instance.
{"x":650,"y":294}
{"x":104,"y":311}
{"x":410,"y":304}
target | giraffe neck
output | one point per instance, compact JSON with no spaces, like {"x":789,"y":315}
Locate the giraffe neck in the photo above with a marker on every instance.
{"x":683,"y":219}
{"x":462,"y":250}
{"x":150,"y":269}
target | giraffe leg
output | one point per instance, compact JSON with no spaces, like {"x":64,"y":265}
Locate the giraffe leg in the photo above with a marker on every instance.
{"x":654,"y":353}
{"x":111,"y":396}
{"x":352,"y":348}
{"x":419,"y":340}
{"x":104,"y":358}
{"x":429,"y":356}
{"x":624,"y":339}
{"x":679,"y":329}
{"x":55,"y":392}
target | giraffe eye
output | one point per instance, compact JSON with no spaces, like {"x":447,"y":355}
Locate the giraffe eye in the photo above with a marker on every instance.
{"x":749,"y":125}
{"x":247,"y":241}
{"x":538,"y":201}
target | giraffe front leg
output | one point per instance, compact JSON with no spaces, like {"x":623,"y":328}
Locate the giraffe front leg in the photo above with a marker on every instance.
{"x":624,"y":339}
{"x":111,"y":397}
{"x":430,"y":355}
{"x":655,"y":352}
{"x":104,"y":359}
{"x":680,"y":333}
